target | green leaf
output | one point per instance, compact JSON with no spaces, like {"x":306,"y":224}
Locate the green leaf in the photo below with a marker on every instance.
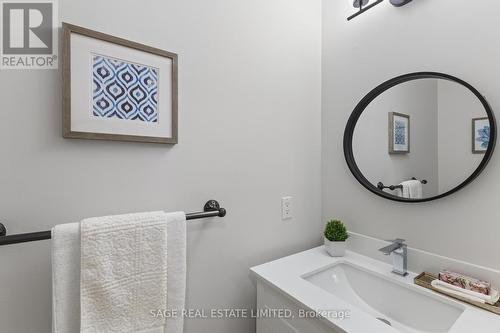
{"x":335,"y":231}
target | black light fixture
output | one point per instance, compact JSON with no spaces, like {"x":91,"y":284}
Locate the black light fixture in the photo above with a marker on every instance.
{"x":365,"y":5}
{"x":399,"y":3}
{"x":360,"y":3}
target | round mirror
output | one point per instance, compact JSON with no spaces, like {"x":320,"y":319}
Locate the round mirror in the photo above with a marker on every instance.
{"x":419,"y":137}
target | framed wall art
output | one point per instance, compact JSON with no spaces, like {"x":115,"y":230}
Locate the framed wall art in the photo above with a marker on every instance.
{"x":115,"y":89}
{"x":399,"y":133}
{"x":480,"y":135}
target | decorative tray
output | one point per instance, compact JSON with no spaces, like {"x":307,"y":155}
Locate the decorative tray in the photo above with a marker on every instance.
{"x":425,"y":279}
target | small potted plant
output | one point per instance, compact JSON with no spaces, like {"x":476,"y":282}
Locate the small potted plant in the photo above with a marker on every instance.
{"x":335,"y":237}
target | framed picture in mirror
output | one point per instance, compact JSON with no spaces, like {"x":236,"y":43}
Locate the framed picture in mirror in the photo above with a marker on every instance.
{"x":399,"y":133}
{"x":480,"y":135}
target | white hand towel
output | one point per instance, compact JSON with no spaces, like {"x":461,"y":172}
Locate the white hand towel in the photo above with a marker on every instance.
{"x":412,"y":189}
{"x":403,"y":192}
{"x":66,"y":278}
{"x":123,"y":273}
{"x":66,"y":274}
{"x":176,"y":284}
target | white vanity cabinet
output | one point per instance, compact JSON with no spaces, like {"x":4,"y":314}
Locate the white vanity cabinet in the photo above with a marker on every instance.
{"x":268,"y":299}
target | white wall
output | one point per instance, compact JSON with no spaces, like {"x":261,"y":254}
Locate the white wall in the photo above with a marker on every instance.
{"x":417,"y":99}
{"x":457,"y":107}
{"x":451,"y":36}
{"x":250,"y":76}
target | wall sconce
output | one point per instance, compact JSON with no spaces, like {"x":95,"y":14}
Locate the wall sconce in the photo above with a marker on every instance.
{"x":364,"y":5}
{"x":399,"y":3}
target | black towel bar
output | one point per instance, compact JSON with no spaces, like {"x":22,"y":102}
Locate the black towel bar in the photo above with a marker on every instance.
{"x":211,"y":209}
{"x":381,"y":185}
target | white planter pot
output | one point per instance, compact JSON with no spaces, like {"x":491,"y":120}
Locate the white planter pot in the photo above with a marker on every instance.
{"x":335,"y":249}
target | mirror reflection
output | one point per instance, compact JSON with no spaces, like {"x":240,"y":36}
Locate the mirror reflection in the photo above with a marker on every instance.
{"x":421,"y":138}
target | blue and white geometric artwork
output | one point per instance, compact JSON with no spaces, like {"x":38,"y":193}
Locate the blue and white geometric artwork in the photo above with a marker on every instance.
{"x":399,"y":132}
{"x":399,"y":142}
{"x":118,"y":90}
{"x":481,"y":135}
{"x":124,"y":90}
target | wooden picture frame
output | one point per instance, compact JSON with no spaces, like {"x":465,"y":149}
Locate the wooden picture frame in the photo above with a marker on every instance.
{"x":399,"y":137}
{"x":153,"y":100}
{"x":480,"y":139}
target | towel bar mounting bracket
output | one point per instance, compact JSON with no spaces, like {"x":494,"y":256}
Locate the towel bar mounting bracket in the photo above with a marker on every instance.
{"x":213,"y":205}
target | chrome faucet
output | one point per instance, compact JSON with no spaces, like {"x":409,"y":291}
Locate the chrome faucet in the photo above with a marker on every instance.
{"x":399,"y":251}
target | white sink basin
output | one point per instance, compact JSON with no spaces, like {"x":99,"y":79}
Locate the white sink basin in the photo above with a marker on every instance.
{"x":406,"y":309}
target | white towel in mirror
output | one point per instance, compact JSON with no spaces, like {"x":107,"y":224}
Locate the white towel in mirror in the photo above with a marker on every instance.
{"x":411,"y":189}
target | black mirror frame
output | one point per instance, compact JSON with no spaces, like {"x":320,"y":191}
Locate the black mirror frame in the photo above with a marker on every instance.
{"x":353,"y":119}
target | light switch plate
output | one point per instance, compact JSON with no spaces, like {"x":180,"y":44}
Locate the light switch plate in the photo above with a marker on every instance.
{"x":286,"y":208}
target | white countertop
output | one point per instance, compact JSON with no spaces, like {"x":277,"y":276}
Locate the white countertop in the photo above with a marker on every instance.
{"x":285,"y":275}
